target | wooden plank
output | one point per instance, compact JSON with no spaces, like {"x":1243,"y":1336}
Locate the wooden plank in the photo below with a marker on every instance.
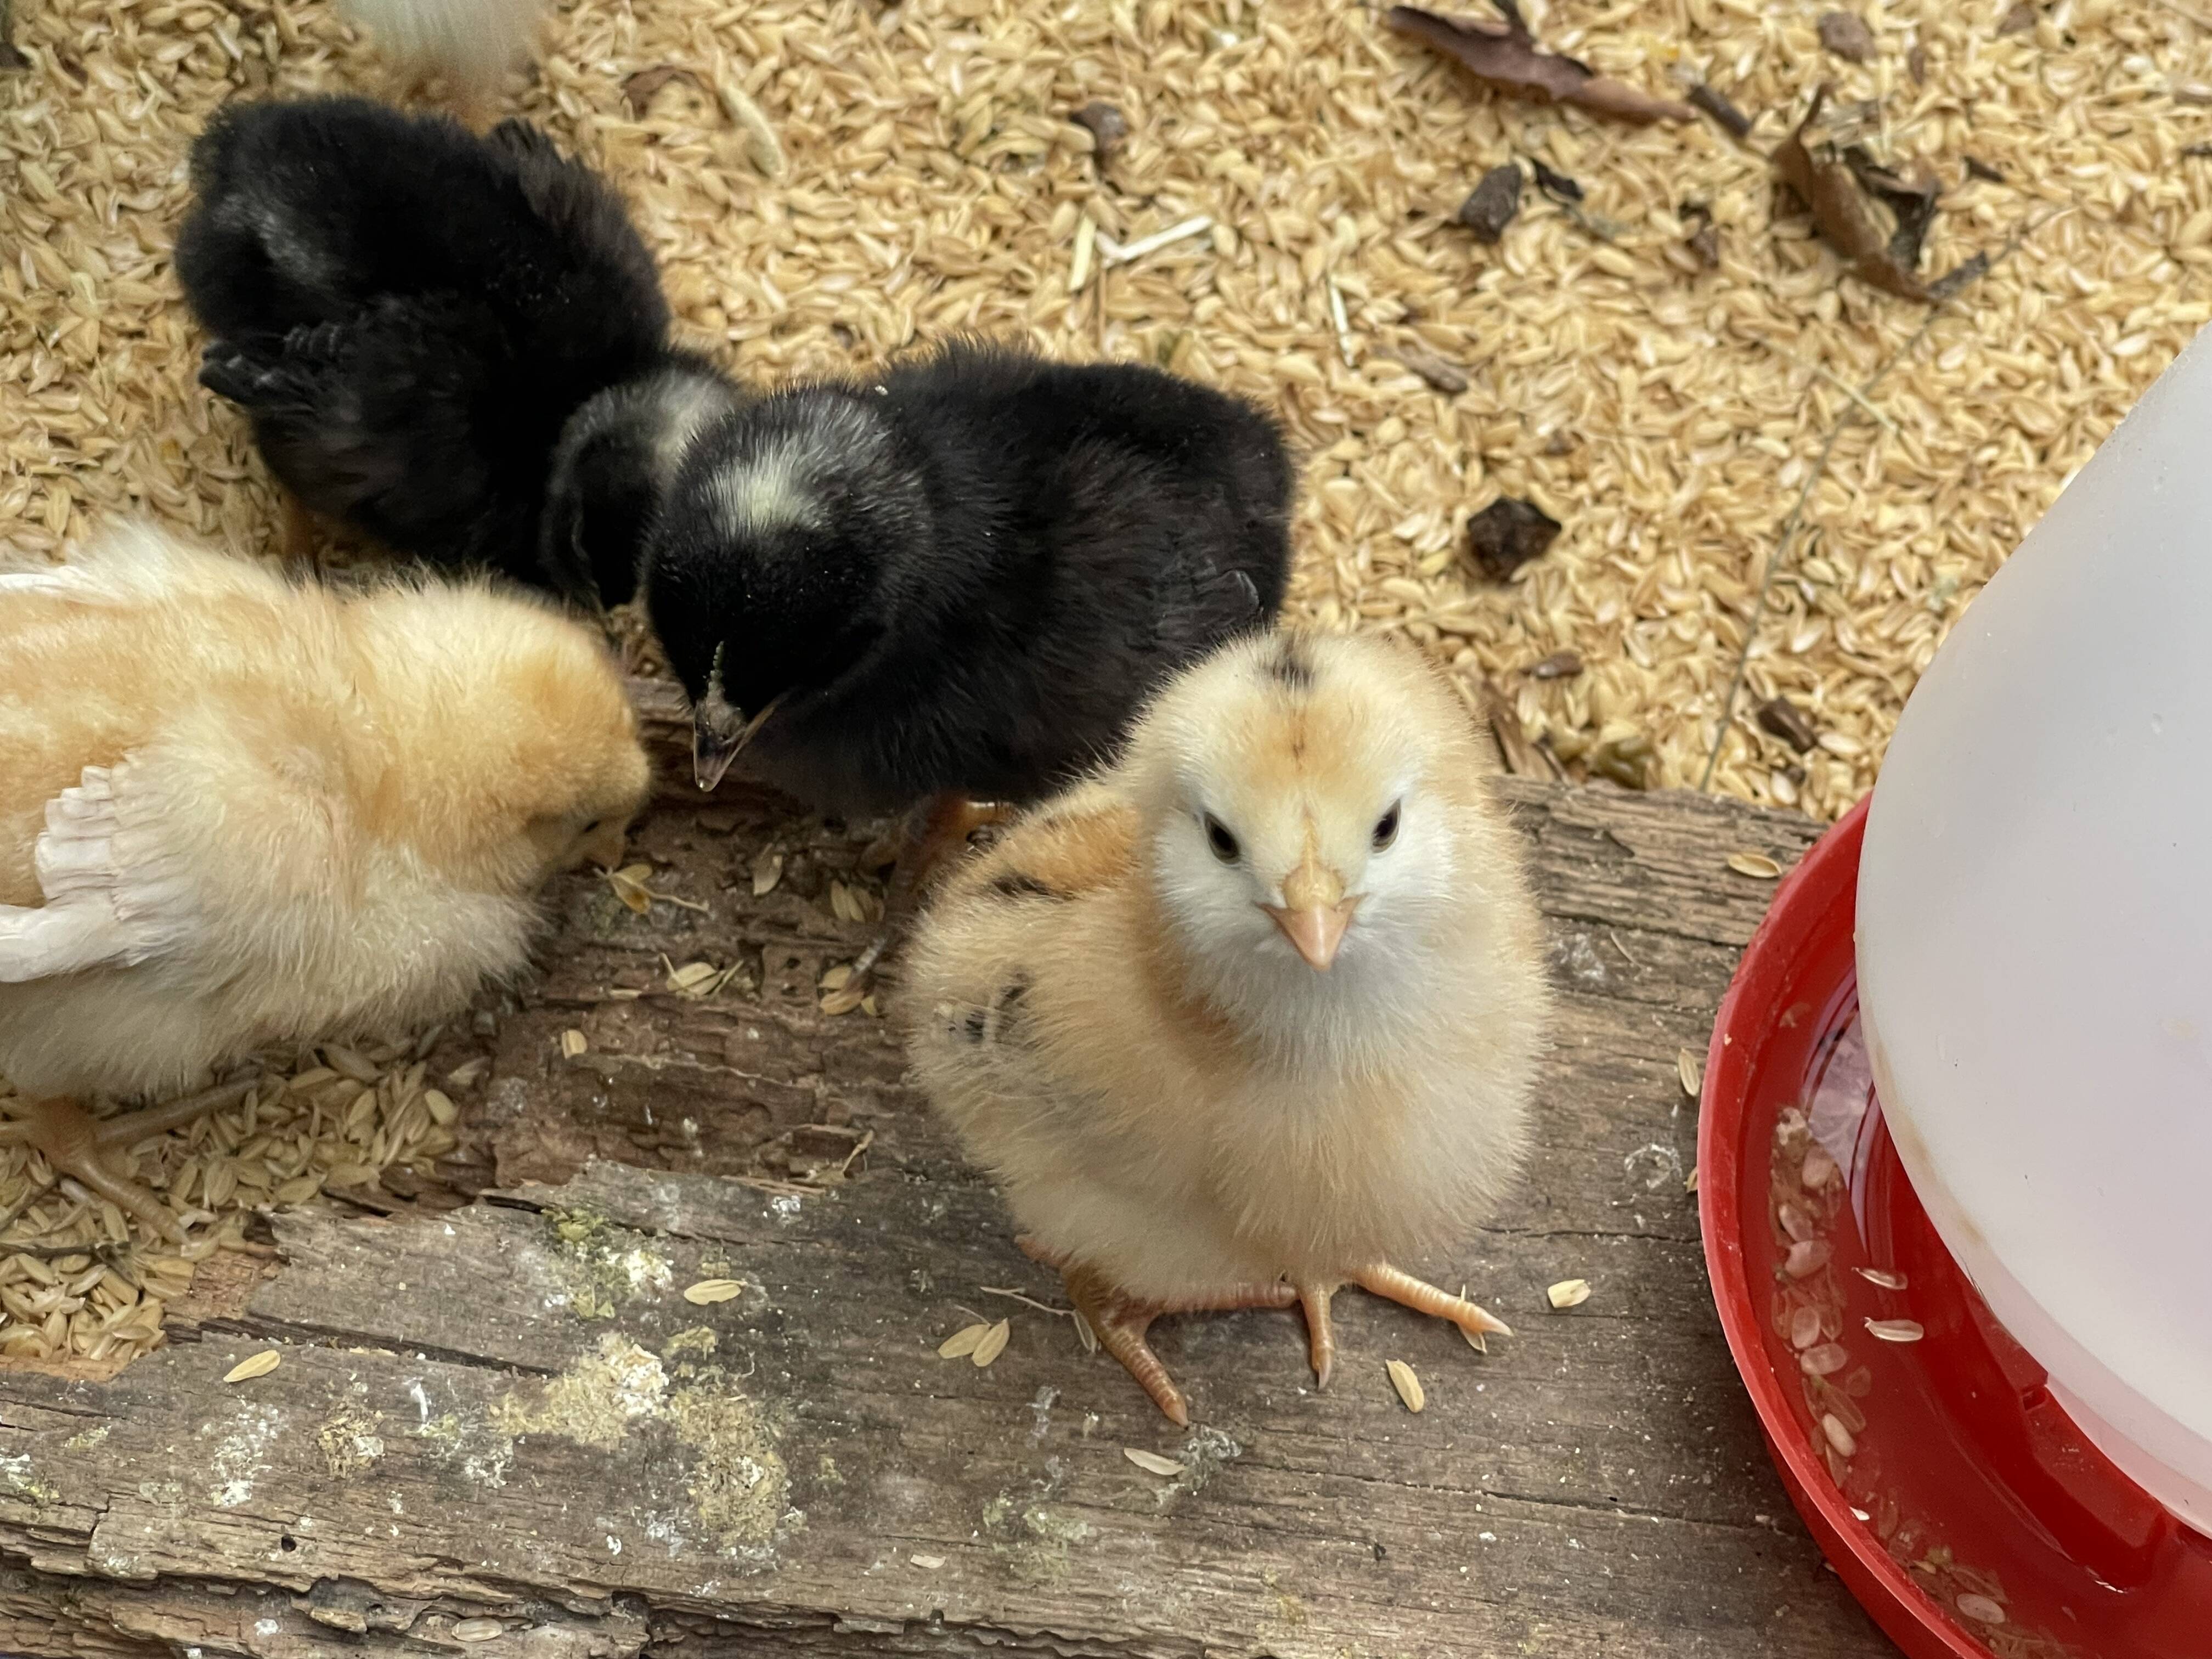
{"x":508,"y":1411}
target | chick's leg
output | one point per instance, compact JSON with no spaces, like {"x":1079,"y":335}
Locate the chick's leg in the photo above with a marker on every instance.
{"x":1121,"y":1324}
{"x":97,"y":1151}
{"x":1385,"y":1280}
{"x":935,"y":831}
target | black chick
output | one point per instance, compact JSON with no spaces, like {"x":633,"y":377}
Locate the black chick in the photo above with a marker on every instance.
{"x":961,"y":580}
{"x":457,"y":344}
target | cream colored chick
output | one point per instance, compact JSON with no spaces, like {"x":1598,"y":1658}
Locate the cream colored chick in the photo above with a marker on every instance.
{"x":1257,"y":1013}
{"x":238,"y":811}
{"x":474,"y":42}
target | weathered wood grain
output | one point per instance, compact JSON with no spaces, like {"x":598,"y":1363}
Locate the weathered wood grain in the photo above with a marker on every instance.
{"x":505,"y":1411}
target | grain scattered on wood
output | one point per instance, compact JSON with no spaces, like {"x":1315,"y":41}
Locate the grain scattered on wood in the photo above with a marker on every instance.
{"x":1569,"y":1293}
{"x":963,"y":1342}
{"x":992,"y":1343}
{"x":478,"y":1630}
{"x":1689,"y":1071}
{"x":927,"y":1563}
{"x":259,"y":1364}
{"x":1756,"y":866}
{"x":708,"y":1291}
{"x":573,"y":1043}
{"x":766,"y":871}
{"x":1152,"y":1463}
{"x":1408,"y":1384}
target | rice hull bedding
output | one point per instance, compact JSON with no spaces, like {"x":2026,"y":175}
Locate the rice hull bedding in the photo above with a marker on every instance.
{"x":475,"y":1407}
{"x":920,"y":174}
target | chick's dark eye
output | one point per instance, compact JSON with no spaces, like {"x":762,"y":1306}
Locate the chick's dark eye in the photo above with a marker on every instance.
{"x":1218,"y":837}
{"x":1386,"y":828}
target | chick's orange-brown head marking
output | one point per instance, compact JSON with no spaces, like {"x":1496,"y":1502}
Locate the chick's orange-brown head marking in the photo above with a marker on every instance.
{"x":515,"y":750}
{"x":1303,"y":815}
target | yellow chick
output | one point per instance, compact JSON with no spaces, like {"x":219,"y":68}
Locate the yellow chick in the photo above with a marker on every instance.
{"x":238,"y":811}
{"x":474,"y":42}
{"x":1253,"y":1015}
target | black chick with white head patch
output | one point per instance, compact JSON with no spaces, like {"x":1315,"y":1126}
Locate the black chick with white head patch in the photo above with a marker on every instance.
{"x":456,"y":344}
{"x":958,"y":582}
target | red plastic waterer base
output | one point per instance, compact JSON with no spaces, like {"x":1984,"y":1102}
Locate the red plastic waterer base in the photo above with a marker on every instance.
{"x":1954,"y":1498}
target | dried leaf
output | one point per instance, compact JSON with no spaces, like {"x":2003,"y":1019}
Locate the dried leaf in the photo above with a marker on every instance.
{"x":1756,"y":866}
{"x":708,"y":1291}
{"x":1895,"y":1330}
{"x":1840,"y":213}
{"x":767,"y":870}
{"x":259,"y":1366}
{"x":1508,"y":55}
{"x":1888,"y":1278}
{"x":1910,"y":197}
{"x":1108,"y":127}
{"x":1846,"y":36}
{"x":1690,"y":1070}
{"x":1152,"y":1463}
{"x":2018,"y":20}
{"x":1569,"y":1293}
{"x":573,"y":1043}
{"x":1709,"y":101}
{"x":638,"y":89}
{"x":1787,"y":722}
{"x":628,"y":884}
{"x":1407,"y":1385}
{"x":927,"y":1563}
{"x":1522,"y":758}
{"x":1507,"y":534}
{"x":1560,"y":666}
{"x":961,"y":1345}
{"x":992,"y":1343}
{"x":1566,"y":191}
{"x":1491,"y":205}
{"x":1445,"y":376}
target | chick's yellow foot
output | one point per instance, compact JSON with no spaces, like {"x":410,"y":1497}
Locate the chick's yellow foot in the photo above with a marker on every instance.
{"x":935,"y":831}
{"x":1121,"y":1323}
{"x":1385,"y":1280}
{"x":97,"y":1151}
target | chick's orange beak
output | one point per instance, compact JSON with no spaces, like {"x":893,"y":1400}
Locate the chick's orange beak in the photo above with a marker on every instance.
{"x":604,"y":846}
{"x":1313,"y":913}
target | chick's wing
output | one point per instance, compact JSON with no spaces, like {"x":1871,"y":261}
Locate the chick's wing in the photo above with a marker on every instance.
{"x":198,"y":859}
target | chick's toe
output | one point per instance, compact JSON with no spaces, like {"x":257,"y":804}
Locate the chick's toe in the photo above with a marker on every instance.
{"x":97,"y":1151}
{"x":1120,"y":1322}
{"x":1384,"y":1280}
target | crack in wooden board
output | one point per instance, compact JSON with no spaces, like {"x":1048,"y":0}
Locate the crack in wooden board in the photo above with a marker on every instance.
{"x":1594,"y":1486}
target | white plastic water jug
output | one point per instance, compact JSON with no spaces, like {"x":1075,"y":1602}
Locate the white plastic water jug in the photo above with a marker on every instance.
{"x":2035,"y":942}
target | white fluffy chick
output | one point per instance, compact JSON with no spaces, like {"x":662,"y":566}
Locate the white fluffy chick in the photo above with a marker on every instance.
{"x":474,"y":42}
{"x":238,"y":811}
{"x":1255,"y":1014}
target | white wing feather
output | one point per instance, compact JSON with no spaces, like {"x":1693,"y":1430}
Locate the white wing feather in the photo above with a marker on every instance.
{"x":114,"y":898}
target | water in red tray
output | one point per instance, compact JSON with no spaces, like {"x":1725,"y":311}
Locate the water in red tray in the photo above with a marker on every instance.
{"x":1917,"y":1435}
